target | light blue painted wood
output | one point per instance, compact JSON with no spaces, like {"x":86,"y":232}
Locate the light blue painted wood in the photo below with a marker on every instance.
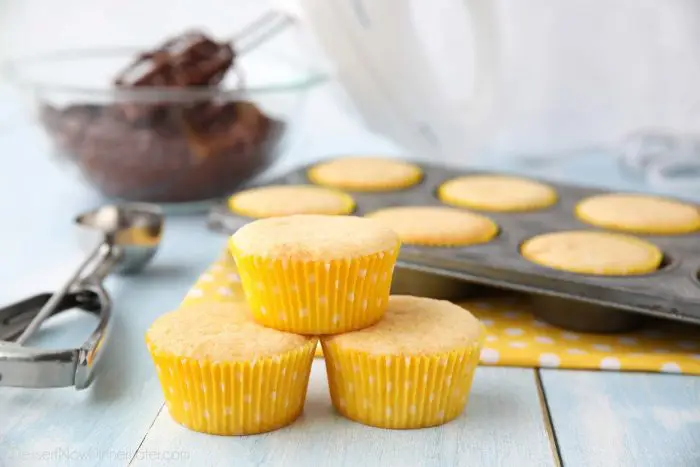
{"x":625,"y":420}
{"x":106,"y":422}
{"x":503,"y":426}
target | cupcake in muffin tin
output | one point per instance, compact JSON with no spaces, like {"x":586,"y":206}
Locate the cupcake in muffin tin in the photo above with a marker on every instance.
{"x":497,"y":193}
{"x":593,"y":253}
{"x":286,"y":200}
{"x":366,"y":174}
{"x":639,"y":214}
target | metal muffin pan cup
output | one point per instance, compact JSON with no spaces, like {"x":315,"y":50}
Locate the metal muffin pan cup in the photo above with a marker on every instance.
{"x":419,"y":283}
{"x":585,"y":317}
{"x":672,"y":292}
{"x":588,"y":317}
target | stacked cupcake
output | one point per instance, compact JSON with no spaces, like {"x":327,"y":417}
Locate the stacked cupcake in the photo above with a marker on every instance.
{"x":393,"y":362}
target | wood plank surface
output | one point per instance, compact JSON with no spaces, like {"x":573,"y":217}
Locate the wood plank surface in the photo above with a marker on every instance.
{"x":606,"y":419}
{"x":503,"y":426}
{"x":104,"y":424}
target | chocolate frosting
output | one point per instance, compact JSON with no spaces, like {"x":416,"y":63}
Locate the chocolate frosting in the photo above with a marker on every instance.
{"x":168,"y":151}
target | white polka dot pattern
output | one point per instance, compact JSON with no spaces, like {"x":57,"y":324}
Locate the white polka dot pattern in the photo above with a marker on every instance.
{"x":195,"y":293}
{"x":610,"y":363}
{"x":549,"y":360}
{"x":670,"y":367}
{"x":489,"y":355}
{"x":670,"y":348}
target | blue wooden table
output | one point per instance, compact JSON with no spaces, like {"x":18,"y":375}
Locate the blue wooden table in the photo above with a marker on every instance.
{"x":516,"y":417}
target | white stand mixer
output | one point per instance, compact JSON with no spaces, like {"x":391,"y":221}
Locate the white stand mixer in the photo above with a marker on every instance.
{"x":388,"y":69}
{"x":452,"y":79}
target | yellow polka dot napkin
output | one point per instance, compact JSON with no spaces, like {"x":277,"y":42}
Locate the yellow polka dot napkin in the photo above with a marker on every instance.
{"x":516,"y":338}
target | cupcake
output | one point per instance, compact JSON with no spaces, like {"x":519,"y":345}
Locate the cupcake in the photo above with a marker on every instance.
{"x":642,"y":214}
{"x":497,"y":193}
{"x":366,"y":174}
{"x":436,"y":226}
{"x":598,"y":253}
{"x":221,"y":373}
{"x":412,"y":369}
{"x":314,"y":274}
{"x":285,"y":200}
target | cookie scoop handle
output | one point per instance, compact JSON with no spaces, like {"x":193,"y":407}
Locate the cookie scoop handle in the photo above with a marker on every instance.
{"x":101,"y":256}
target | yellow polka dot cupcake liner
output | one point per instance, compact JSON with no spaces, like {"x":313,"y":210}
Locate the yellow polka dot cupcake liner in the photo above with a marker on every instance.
{"x":238,"y":397}
{"x":317,"y":297}
{"x":397,"y":391}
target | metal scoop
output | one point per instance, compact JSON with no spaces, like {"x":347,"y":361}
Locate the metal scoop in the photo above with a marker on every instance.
{"x":129,"y":238}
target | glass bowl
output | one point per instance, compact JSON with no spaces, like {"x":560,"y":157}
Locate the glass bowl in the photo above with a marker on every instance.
{"x":163,"y":145}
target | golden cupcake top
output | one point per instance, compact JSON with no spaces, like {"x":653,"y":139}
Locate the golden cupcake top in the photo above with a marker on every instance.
{"x":366,"y":173}
{"x":639,"y":213}
{"x":285,"y":200}
{"x":588,"y":252}
{"x":436,"y":225}
{"x":497,"y":193}
{"x":414,"y":326}
{"x":218,"y":332}
{"x":314,"y":238}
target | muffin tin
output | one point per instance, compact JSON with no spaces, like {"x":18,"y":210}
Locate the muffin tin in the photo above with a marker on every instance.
{"x":579,"y":302}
